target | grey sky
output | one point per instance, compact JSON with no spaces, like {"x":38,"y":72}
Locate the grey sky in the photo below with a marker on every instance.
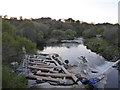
{"x":98,"y":11}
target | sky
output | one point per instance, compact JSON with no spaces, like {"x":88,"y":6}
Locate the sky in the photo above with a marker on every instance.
{"x":97,"y":11}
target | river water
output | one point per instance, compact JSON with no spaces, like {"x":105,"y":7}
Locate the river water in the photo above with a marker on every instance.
{"x":72,"y":51}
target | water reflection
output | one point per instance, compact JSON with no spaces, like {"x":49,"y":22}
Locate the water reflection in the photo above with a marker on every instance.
{"x":72,"y":51}
{"x":67,"y":45}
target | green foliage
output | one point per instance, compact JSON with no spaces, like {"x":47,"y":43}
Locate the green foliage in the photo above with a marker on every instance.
{"x":70,"y":34}
{"x":11,"y":79}
{"x":27,"y":29}
{"x":40,"y":36}
{"x":58,"y":34}
{"x":28,"y":44}
{"x":25,"y":23}
{"x":44,"y":29}
{"x":90,"y":33}
{"x":100,"y":30}
{"x":8,"y":46}
{"x":7,"y":27}
{"x":41,"y":30}
{"x":12,"y":44}
{"x":103,"y":47}
{"x":111,"y":34}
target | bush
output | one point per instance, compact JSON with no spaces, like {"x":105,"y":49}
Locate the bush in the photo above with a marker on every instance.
{"x":105,"y":48}
{"x":89,"y":33}
{"x":13,"y":44}
{"x":11,"y":79}
{"x":111,"y":35}
{"x":70,"y":34}
{"x":58,"y":34}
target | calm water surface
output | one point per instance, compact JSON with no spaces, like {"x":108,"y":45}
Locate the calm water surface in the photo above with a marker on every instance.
{"x":72,"y":51}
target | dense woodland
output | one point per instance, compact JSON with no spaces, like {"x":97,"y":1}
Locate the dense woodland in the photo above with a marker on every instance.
{"x":33,"y":33}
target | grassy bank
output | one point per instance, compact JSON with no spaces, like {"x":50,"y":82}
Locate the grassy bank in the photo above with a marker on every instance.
{"x":103,"y":47}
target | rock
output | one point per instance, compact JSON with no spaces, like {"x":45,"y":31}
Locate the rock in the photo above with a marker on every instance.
{"x":14,"y":63}
{"x":66,"y":61}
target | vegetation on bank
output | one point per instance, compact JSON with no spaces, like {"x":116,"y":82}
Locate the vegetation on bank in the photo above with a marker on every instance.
{"x":103,"y":47}
{"x":12,"y":43}
{"x":11,"y":79}
{"x":12,"y":51}
{"x":104,"y":40}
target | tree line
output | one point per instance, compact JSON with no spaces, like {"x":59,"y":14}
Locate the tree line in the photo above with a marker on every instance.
{"x":34,"y":32}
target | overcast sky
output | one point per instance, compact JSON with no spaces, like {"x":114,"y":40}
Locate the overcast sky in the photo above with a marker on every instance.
{"x":98,"y":11}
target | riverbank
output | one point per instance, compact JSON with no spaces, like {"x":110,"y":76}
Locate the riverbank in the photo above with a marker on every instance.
{"x":103,"y":47}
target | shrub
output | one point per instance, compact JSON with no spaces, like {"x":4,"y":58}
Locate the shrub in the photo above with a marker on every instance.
{"x":11,"y":79}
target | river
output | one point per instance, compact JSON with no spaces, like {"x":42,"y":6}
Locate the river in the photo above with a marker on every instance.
{"x":72,"y":51}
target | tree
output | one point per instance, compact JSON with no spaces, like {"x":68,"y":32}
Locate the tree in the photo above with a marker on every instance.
{"x":90,"y":33}
{"x":58,"y":34}
{"x":40,"y":37}
{"x":100,"y":29}
{"x":27,"y":29}
{"x":5,"y":16}
{"x":8,"y":46}
{"x":70,"y":20}
{"x":42,"y":28}
{"x":70,"y":34}
{"x":12,"y":44}
{"x":21,"y":18}
{"x":7,"y":27}
{"x":111,"y":34}
{"x":28,"y":44}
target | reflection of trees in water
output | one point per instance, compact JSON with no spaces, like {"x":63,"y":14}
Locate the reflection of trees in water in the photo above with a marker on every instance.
{"x":41,"y":46}
{"x":67,"y":45}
